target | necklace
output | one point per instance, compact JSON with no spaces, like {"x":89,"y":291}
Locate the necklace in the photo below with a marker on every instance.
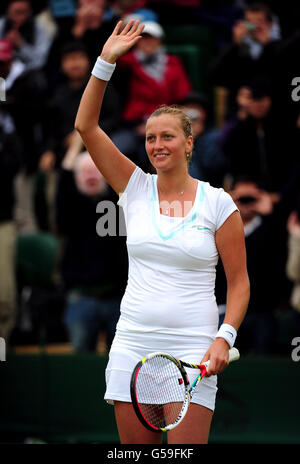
{"x":167,"y":211}
{"x":179,"y":193}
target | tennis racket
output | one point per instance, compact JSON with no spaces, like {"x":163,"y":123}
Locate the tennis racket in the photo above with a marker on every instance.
{"x":161,"y":391}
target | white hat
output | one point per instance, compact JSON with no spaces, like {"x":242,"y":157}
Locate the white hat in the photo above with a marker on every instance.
{"x":154,"y":29}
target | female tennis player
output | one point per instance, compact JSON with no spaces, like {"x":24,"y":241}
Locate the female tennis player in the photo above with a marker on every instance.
{"x":177,"y":227}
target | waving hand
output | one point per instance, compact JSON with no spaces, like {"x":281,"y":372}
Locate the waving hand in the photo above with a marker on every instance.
{"x":120,"y":43}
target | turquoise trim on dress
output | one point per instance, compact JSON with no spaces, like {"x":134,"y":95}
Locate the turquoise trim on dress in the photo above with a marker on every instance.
{"x":184,"y":223}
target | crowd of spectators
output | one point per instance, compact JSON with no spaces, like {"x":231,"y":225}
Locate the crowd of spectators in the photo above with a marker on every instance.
{"x":49,"y":184}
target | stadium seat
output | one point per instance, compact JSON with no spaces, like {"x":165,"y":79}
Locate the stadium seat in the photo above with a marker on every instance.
{"x":41,"y":299}
{"x":193,"y":45}
{"x":192,"y":59}
{"x":36,"y":258}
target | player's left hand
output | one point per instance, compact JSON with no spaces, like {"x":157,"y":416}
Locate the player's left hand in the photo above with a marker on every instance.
{"x":217,"y":354}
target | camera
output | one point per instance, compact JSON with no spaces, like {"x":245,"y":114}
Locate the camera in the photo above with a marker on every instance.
{"x":246,"y":199}
{"x":250,"y":26}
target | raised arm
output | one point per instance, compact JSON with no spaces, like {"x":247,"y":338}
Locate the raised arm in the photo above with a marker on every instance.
{"x":114,"y":166}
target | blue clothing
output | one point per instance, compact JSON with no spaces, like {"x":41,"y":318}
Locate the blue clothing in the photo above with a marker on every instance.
{"x":86,"y":316}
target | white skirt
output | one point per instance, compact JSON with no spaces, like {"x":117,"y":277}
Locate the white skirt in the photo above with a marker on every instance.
{"x":129,"y":348}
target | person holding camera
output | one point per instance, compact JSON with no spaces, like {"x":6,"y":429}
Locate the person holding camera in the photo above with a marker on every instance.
{"x":252,"y":53}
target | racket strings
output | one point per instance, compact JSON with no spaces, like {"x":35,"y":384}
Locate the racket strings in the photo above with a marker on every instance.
{"x":160,"y":391}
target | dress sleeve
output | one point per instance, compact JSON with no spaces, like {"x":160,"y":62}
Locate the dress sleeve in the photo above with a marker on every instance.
{"x":225,"y":207}
{"x":136,"y":184}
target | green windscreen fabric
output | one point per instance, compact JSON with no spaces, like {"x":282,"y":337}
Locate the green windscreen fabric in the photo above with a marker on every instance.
{"x":59,"y":399}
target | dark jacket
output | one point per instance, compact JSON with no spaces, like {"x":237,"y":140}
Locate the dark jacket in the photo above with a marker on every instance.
{"x":61,"y":113}
{"x":265,"y":154}
{"x":25,"y":102}
{"x":88,"y":260}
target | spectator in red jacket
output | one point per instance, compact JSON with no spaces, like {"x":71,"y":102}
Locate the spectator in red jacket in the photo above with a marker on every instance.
{"x":151,"y":77}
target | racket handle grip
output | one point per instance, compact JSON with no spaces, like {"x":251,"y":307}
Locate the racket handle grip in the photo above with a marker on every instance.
{"x":234,"y":355}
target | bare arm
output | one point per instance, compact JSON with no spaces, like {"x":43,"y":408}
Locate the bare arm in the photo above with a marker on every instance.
{"x":231,"y":246}
{"x":115,"y":167}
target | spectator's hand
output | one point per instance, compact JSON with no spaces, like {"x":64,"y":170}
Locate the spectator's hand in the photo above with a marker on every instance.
{"x":75,"y":146}
{"x":70,"y":139}
{"x":239,"y":31}
{"x":120,"y":43}
{"x":15,"y":37}
{"x":79,"y":27}
{"x":275,"y":197}
{"x":218,"y":355}
{"x":293,"y":224}
{"x":89,"y":15}
{"x":47,"y":161}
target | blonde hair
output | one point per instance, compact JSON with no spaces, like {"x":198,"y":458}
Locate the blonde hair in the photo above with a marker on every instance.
{"x":185,"y":122}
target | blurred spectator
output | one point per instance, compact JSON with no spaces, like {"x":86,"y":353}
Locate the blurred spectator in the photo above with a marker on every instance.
{"x":252,"y":54}
{"x":25,"y":102}
{"x":293,"y":264}
{"x":150,"y":77}
{"x":25,"y":98}
{"x":208,"y":162}
{"x":9,"y":166}
{"x":63,"y":104}
{"x":265,"y":238}
{"x":254,"y":145}
{"x":87,"y":22}
{"x":93,"y":267}
{"x":31,"y":42}
{"x":89,"y":15}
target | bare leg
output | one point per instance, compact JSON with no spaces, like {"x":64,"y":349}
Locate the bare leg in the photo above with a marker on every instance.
{"x":194,"y":428}
{"x":131,"y":431}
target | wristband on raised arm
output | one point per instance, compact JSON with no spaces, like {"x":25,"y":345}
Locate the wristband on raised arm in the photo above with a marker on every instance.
{"x":103,"y":70}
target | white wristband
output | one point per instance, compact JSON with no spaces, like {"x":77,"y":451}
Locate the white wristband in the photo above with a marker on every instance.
{"x":227,"y":332}
{"x":103,"y":70}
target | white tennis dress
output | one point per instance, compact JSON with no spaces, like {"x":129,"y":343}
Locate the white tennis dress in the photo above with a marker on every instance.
{"x":169,"y":303}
